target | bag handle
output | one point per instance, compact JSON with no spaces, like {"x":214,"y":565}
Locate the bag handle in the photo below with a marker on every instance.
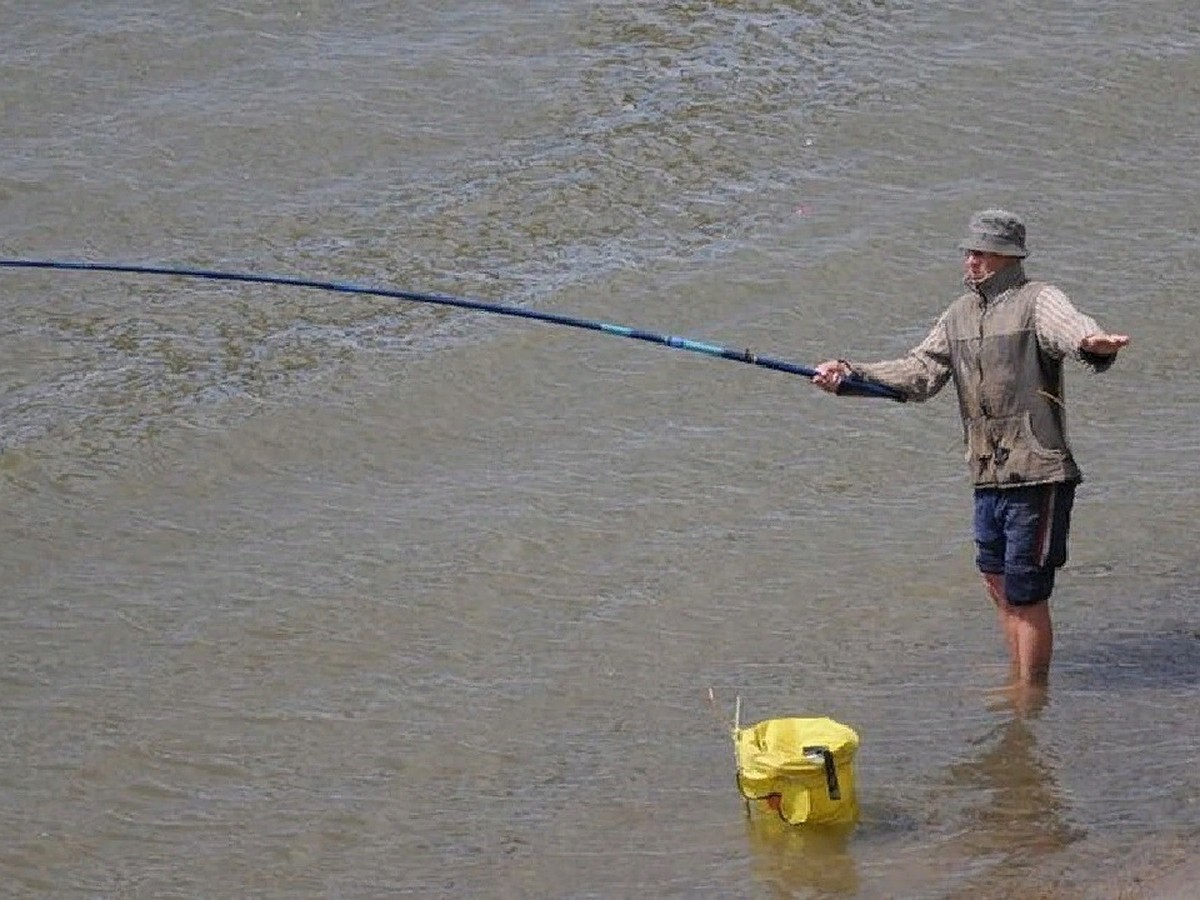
{"x":831,"y":779}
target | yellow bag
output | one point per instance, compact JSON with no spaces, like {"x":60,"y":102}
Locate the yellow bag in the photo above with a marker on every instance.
{"x":801,"y":768}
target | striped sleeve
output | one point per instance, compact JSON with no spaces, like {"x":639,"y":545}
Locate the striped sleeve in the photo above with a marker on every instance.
{"x":920,"y":374}
{"x":1060,"y":326}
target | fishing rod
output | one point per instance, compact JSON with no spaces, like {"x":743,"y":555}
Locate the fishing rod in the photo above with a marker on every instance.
{"x":852,"y":386}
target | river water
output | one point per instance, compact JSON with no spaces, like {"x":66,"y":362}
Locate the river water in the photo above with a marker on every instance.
{"x":314,"y":594}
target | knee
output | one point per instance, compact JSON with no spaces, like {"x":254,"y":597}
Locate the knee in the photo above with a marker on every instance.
{"x":1038,"y":611}
{"x":994,"y":585}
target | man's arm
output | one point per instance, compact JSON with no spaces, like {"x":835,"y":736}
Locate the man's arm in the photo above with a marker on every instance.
{"x":919,"y":375}
{"x":1064,"y":331}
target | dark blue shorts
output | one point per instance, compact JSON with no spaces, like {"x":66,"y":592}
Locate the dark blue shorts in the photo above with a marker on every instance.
{"x":1021,"y":533}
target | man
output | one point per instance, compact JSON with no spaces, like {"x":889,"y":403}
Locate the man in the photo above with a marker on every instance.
{"x":1003,"y":342}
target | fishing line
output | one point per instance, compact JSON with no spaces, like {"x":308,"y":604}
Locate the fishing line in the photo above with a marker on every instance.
{"x":851,"y":386}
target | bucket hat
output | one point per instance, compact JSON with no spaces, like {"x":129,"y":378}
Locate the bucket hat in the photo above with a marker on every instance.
{"x":995,"y":231}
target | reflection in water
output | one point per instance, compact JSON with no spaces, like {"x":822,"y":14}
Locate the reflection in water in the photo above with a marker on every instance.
{"x":1018,"y":818}
{"x":801,"y":860}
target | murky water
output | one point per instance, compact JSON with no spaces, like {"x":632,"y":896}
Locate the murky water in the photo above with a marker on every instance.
{"x":309,"y":594}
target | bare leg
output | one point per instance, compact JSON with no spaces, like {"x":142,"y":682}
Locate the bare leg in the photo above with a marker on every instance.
{"x":995,"y":589}
{"x":1035,"y":641}
{"x":1028,"y":634}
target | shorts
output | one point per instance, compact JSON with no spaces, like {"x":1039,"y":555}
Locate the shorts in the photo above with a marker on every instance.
{"x":1021,"y":533}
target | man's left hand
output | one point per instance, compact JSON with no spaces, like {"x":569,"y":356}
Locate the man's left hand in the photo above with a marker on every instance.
{"x":1103,"y":344}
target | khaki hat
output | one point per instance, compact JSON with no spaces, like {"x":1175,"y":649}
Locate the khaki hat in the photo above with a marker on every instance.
{"x":995,"y":231}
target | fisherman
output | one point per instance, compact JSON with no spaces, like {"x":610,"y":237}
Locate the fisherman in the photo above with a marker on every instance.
{"x":1003,"y":342}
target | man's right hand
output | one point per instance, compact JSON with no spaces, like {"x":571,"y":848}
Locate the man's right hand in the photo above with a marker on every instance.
{"x":830,"y":375}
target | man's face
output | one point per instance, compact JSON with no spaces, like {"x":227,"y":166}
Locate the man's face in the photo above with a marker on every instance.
{"x":979,"y":265}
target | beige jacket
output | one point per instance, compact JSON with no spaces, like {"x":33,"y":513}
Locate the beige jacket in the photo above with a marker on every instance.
{"x":1003,"y":343}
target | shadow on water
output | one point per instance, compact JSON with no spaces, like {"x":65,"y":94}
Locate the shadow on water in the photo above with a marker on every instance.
{"x":1165,"y":658}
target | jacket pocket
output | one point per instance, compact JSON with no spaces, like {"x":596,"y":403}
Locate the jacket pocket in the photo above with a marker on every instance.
{"x":1020,"y":457}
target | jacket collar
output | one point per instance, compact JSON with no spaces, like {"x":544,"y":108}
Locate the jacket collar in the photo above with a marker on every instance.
{"x":1011,"y":276}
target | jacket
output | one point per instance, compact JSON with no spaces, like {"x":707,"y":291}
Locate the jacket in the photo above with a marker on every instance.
{"x":1003,"y":343}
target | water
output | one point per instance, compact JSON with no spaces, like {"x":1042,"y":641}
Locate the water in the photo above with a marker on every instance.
{"x":321,"y":595}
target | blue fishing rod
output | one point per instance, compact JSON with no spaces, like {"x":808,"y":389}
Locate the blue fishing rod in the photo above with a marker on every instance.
{"x":851,"y":386}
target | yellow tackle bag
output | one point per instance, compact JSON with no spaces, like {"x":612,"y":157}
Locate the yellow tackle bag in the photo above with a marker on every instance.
{"x":803,"y":769}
